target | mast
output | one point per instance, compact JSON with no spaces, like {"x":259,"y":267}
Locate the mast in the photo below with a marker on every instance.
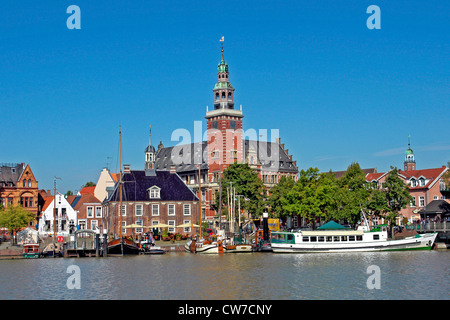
{"x":200,"y":200}
{"x":120,"y":183}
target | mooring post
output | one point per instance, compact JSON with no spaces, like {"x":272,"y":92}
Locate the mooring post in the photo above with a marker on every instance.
{"x":97,"y":243}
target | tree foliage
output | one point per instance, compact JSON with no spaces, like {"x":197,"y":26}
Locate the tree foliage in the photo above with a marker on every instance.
{"x":15,"y":218}
{"x":247,"y":184}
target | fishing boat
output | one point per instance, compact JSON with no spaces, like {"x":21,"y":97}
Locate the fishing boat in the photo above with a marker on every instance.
{"x":121,"y":245}
{"x":333,"y":237}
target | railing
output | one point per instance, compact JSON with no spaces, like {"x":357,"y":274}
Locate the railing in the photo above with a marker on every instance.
{"x":429,"y":226}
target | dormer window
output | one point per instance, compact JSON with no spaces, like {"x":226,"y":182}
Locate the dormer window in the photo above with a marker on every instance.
{"x":422,"y":182}
{"x":154,"y":192}
{"x":413,"y":182}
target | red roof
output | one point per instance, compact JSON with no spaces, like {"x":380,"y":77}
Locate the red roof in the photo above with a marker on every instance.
{"x":87,"y":190}
{"x":47,"y":201}
{"x":429,"y":174}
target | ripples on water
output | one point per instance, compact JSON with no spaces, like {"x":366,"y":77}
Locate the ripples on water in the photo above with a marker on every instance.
{"x":254,"y":276}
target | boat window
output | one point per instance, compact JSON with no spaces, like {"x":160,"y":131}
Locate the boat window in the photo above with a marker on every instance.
{"x":351,"y":238}
{"x":278,"y":238}
{"x":376,"y":237}
{"x":313,"y":239}
{"x":321,"y":239}
{"x":358,"y":238}
{"x":343,"y":238}
{"x":336,"y":238}
{"x":290,"y":237}
{"x":305,"y":239}
{"x":329,"y":238}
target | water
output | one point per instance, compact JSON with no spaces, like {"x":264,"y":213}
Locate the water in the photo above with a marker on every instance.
{"x":250,"y":276}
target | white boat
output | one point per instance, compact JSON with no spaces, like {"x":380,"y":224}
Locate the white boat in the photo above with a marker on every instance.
{"x":346,"y":240}
{"x":204,"y":246}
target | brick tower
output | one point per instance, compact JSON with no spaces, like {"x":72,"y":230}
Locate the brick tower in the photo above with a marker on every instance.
{"x":224,"y":126}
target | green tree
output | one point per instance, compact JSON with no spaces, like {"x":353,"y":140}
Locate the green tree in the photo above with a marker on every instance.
{"x":397,"y":195}
{"x":310,"y":196}
{"x":88,"y":184}
{"x":277,"y":194}
{"x":247,"y":184}
{"x":14,"y":218}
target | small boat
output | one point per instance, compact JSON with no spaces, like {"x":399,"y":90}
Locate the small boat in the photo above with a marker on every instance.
{"x":152,"y":250}
{"x":237,"y":248}
{"x":52,"y":250}
{"x":124,"y":247}
{"x":340,"y":239}
{"x":204,"y":246}
{"x":31,"y":250}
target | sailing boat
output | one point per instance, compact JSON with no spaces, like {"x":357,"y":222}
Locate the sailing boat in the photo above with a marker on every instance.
{"x":121,"y":246}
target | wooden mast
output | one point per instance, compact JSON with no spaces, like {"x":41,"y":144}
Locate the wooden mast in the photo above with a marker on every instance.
{"x":200,"y":201}
{"x":120,"y":188}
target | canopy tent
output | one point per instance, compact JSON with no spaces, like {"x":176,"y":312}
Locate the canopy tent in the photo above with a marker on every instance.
{"x":331,"y":226}
{"x":28,"y":235}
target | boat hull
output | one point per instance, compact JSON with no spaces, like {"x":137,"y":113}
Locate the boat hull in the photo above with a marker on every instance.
{"x":239,"y":248}
{"x":128,"y":247}
{"x":203,"y":248}
{"x":420,"y":242}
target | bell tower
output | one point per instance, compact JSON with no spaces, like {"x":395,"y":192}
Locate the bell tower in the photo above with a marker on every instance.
{"x":150,"y":156}
{"x":410,"y":162}
{"x":224,"y":125}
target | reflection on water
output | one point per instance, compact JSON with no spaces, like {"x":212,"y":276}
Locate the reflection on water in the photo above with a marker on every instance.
{"x":251,"y":276}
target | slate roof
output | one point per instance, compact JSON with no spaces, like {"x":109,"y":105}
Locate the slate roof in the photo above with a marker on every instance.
{"x":437,"y":206}
{"x":10,"y":173}
{"x":136,"y":185}
{"x":190,"y":155}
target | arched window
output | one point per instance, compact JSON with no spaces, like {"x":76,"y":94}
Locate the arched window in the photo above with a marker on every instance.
{"x":217,"y":96}
{"x":229,"y":95}
{"x":223,"y":95}
{"x":29,"y":183}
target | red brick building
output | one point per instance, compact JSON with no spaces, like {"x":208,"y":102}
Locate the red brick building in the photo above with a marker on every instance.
{"x":18,"y":186}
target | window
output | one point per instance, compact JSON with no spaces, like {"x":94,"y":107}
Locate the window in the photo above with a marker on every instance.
{"x":215,"y":124}
{"x":155,"y":209}
{"x":139,"y":210}
{"x":187,"y":209}
{"x":98,"y":212}
{"x":233,"y":154}
{"x":421,"y":201}
{"x":138,"y":230}
{"x":435,"y":198}
{"x":313,"y":239}
{"x":124,"y":210}
{"x":336,"y":238}
{"x":351,"y":238}
{"x":171,"y":209}
{"x":413,"y":182}
{"x":24,"y":183}
{"x":413,"y":202}
{"x":329,"y":238}
{"x":29,"y":183}
{"x":94,"y":224}
{"x":305,"y":239}
{"x":421,"y":182}
{"x":154,"y":192}
{"x":90,"y":212}
{"x":376,"y":237}
{"x":359,"y":238}
{"x":233,"y":125}
{"x":321,"y":239}
{"x":171,"y":223}
{"x":343,"y":238}
{"x":187,"y":229}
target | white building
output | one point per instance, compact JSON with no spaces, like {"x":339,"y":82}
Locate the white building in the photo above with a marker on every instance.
{"x":65,"y":216}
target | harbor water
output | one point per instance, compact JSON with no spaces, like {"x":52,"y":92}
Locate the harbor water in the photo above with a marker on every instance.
{"x":250,"y":276}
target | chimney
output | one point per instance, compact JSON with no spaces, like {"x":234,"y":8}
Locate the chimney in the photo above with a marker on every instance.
{"x":173,"y":169}
{"x":126,"y":168}
{"x":278,"y":140}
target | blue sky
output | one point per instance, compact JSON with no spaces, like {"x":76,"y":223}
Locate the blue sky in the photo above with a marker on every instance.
{"x":337,"y":91}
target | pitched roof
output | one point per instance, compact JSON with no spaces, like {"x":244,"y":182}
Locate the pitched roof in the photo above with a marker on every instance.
{"x":340,"y":174}
{"x":331,"y":225}
{"x":47,"y":201}
{"x":270,"y":155}
{"x":429,"y":174}
{"x":10,"y":172}
{"x":88,"y":190}
{"x":78,"y":201}
{"x":437,"y":206}
{"x":136,"y":185}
